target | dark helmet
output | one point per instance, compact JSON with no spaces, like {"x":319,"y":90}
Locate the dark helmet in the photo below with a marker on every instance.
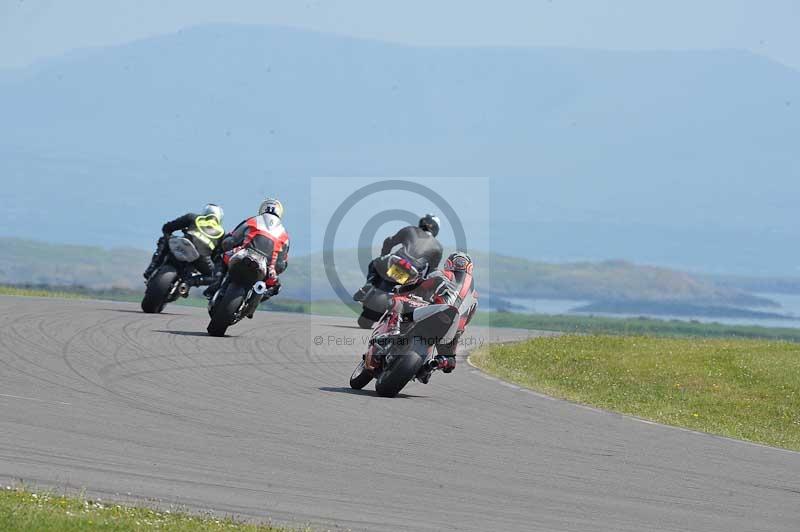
{"x":458,"y":262}
{"x":429,"y":223}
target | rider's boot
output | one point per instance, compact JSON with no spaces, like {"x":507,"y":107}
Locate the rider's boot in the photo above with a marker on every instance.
{"x":273,"y":288}
{"x":219,"y":274}
{"x":196,"y":280}
{"x":425,"y":372}
{"x":200,"y":280}
{"x":362,"y":293}
{"x":424,"y":376}
{"x":209,"y":292}
{"x":158,"y":256}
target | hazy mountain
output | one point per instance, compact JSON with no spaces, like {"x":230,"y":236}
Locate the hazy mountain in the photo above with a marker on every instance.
{"x":34,"y":262}
{"x":678,"y":158}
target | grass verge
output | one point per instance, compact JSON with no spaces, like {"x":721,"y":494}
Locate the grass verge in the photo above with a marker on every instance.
{"x":36,"y":292}
{"x":633,"y":326}
{"x":745,"y":389}
{"x":22,"y":510}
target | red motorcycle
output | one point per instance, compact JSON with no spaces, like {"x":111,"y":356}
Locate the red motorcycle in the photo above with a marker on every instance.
{"x":394,"y":358}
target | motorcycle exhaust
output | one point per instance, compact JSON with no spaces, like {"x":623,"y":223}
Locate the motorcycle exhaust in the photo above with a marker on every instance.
{"x":260,"y":287}
{"x":183,"y":290}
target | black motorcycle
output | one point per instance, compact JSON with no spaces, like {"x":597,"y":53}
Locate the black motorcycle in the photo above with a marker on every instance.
{"x":391,"y":271}
{"x":240,"y":292}
{"x":169,"y":281}
{"x":393,"y":361}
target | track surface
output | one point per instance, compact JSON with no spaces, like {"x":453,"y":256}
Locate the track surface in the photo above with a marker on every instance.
{"x":97,"y":395}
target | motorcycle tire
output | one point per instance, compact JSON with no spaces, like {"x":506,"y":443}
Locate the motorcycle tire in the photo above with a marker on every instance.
{"x":225,"y":308}
{"x":158,"y":287}
{"x":360,"y":377}
{"x":365,"y":322}
{"x":402,"y":369}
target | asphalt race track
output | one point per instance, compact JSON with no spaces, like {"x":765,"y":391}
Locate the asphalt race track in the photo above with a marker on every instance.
{"x":263,"y":425}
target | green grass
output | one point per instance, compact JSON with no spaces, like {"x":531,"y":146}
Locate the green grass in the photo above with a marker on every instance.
{"x":69,"y":292}
{"x":744,"y":389}
{"x":633,"y":326}
{"x":22,"y":510}
{"x":35,"y":292}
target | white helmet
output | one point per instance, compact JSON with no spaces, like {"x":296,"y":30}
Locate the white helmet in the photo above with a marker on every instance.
{"x":213,"y":210}
{"x":271,"y":206}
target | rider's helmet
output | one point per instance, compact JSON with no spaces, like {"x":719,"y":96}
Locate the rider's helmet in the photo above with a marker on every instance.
{"x":213,"y":210}
{"x":271,"y":206}
{"x":458,"y":262}
{"x":429,"y":223}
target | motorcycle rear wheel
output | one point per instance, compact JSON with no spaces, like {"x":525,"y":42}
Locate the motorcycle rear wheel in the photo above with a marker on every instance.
{"x":402,"y":369}
{"x":158,"y":287}
{"x":365,"y":322}
{"x":224,"y":310}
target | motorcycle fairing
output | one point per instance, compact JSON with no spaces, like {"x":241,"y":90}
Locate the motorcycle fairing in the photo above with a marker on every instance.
{"x":183,"y":249}
{"x":436,"y":321}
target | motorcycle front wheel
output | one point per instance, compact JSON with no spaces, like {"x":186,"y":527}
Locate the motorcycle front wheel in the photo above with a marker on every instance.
{"x":360,"y":377}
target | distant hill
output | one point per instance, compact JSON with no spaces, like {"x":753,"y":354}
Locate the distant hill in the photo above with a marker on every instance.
{"x":503,"y":276}
{"x":35,"y":262}
{"x":618,"y":281}
{"x":766,"y":285}
{"x":687,"y":159}
{"x":32,"y":262}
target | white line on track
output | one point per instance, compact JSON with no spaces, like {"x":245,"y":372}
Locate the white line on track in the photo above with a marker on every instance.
{"x":34,"y":399}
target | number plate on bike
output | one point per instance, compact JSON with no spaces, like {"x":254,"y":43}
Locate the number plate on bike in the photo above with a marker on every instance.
{"x":398,"y":274}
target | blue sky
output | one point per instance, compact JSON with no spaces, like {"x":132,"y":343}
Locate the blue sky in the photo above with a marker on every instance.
{"x":34,"y":29}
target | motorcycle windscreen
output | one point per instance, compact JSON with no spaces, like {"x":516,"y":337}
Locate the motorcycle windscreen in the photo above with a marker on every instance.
{"x":435,"y":323}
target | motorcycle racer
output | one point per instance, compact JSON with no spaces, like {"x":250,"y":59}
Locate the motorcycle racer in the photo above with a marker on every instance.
{"x":453,"y":285}
{"x":418,"y":242}
{"x":204,"y":230}
{"x":264,"y":233}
